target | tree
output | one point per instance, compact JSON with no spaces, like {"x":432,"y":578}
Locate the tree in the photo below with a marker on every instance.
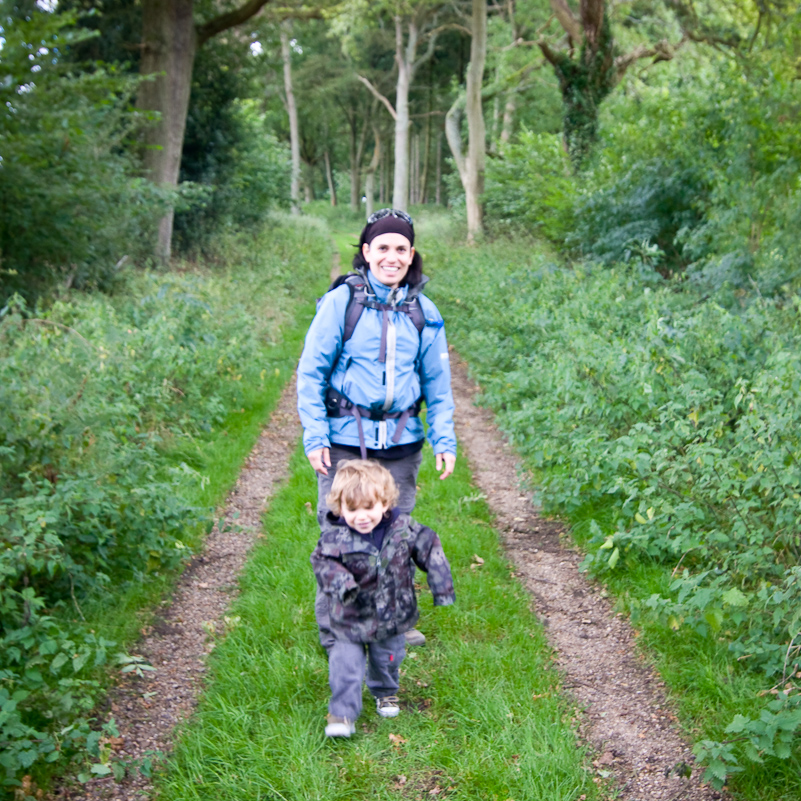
{"x":413,"y":23}
{"x":170,"y":39}
{"x":471,"y":168}
{"x":292,"y":113}
{"x":586,"y":77}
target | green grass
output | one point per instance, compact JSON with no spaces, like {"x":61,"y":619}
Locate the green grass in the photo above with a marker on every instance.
{"x":482,"y":714}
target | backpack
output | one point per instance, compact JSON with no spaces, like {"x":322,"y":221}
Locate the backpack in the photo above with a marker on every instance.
{"x":361,"y":299}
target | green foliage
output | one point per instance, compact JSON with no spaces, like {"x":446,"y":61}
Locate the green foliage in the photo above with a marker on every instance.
{"x":701,"y":164}
{"x":97,"y":395}
{"x":678,"y":421}
{"x":65,"y":172}
{"x":228,"y":154}
{"x":531,"y":187}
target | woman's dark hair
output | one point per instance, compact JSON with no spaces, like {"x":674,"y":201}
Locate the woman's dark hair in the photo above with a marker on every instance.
{"x":415,"y":274}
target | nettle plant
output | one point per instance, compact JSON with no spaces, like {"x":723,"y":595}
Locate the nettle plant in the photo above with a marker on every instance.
{"x":680,"y":419}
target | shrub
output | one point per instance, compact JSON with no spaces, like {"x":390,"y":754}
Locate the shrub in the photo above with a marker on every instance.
{"x":531,"y":187}
{"x":97,"y":395}
{"x":65,"y":171}
{"x":675,"y":422}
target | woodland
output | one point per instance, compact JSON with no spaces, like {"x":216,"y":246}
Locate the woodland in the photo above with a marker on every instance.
{"x":609,"y":195}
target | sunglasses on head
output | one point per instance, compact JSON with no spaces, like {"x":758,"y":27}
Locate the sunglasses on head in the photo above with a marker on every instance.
{"x":381,"y":213}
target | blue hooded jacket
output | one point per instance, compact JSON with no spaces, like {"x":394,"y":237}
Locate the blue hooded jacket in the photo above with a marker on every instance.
{"x":416,"y":364}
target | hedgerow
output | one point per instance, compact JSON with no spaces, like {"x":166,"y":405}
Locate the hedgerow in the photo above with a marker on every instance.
{"x":97,"y":394}
{"x":678,"y":421}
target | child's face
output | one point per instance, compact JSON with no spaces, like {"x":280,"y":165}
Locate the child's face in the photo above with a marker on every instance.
{"x":364,"y":520}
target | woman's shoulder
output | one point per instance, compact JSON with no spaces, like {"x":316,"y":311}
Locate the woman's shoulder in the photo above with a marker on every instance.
{"x":430,"y":310}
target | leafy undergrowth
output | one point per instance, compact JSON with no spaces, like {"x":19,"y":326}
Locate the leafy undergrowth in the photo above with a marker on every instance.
{"x":124,"y":419}
{"x":666,"y":427}
{"x":481,"y":716}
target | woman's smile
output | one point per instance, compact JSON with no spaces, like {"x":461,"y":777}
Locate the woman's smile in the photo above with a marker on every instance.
{"x":389,"y":257}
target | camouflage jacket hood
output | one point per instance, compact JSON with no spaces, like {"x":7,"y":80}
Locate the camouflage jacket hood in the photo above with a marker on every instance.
{"x":371,"y":592}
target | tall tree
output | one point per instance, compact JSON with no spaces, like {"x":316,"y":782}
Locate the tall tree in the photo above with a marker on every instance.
{"x":170,"y":39}
{"x":414,"y":23}
{"x":292,"y":113}
{"x":590,"y":68}
{"x":471,"y":167}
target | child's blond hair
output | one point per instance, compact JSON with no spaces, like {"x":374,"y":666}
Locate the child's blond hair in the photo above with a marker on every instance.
{"x":360,"y":485}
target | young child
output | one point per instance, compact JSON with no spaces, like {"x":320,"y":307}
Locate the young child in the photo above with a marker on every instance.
{"x":362,"y":564}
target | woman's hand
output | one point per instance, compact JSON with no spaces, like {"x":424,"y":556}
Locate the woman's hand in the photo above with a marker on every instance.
{"x":321,"y":459}
{"x":448,"y":458}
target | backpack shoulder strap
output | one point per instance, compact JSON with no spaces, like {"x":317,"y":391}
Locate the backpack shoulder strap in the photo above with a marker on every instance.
{"x":355,"y":307}
{"x":416,"y":315}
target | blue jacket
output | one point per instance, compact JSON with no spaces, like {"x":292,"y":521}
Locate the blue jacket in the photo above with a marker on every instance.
{"x":416,"y":364}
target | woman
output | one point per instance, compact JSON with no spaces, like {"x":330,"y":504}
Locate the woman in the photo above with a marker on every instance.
{"x":367,"y":367}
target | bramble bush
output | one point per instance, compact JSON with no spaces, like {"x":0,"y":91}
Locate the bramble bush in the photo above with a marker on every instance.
{"x":97,"y":394}
{"x":679,"y":422}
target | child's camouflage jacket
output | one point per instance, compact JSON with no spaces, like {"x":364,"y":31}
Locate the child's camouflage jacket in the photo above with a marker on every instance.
{"x":371,"y":593}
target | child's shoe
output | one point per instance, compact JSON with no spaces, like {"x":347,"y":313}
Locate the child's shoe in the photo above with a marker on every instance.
{"x":339,"y":727}
{"x":415,"y":638}
{"x":387,"y":706}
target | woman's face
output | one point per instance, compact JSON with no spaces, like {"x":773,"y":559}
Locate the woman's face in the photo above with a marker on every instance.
{"x":389,"y":257}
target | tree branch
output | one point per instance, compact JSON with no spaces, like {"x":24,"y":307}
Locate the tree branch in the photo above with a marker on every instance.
{"x":661,"y":51}
{"x":451,"y":26}
{"x":432,"y":43}
{"x":453,"y":134}
{"x":379,"y":96}
{"x":550,"y":55}
{"x":225,"y":21}
{"x":567,"y":20}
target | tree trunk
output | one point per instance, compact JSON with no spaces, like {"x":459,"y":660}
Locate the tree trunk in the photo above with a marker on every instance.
{"x":332,"y":189}
{"x":438,"y":180}
{"x":426,"y":159}
{"x":382,"y":180}
{"x":476,"y":136}
{"x":508,"y":119}
{"x":471,"y":168}
{"x":292,"y":111}
{"x":369,"y":177}
{"x":169,"y":43}
{"x":405,"y":61}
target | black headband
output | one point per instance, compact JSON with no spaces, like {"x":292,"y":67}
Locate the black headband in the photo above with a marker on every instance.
{"x":389,"y":225}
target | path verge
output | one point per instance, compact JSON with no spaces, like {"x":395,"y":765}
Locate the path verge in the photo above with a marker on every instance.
{"x":629,"y":721}
{"x":146,"y":709}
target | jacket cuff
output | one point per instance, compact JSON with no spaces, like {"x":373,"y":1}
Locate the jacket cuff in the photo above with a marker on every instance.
{"x":444,"y":600}
{"x":315,"y":445}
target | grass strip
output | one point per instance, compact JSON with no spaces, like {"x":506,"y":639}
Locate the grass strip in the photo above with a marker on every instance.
{"x":482,"y":714}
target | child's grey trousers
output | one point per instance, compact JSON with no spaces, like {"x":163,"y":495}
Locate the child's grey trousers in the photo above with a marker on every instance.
{"x":346,"y":669}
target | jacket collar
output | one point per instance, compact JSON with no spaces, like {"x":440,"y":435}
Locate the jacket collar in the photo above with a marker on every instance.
{"x":382,"y":292}
{"x":354,"y":541}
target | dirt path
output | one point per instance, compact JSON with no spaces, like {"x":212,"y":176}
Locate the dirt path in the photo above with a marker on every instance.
{"x":628,"y":720}
{"x":148,"y":709}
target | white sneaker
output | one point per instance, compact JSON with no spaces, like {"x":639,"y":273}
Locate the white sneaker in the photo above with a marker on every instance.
{"x":387,"y":707}
{"x":415,"y":638}
{"x":339,"y":727}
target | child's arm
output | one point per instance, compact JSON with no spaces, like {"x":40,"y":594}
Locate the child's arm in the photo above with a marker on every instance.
{"x":428,"y":555}
{"x":334,"y":578}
